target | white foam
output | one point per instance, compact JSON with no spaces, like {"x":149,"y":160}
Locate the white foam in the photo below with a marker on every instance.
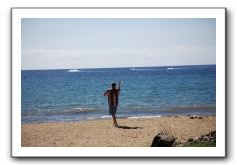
{"x":137,"y":107}
{"x":101,"y":117}
{"x":143,"y":117}
{"x":105,"y":117}
{"x":79,"y":109}
{"x":73,"y":70}
{"x":176,"y":68}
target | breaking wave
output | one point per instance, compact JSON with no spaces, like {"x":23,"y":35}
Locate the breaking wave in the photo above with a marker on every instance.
{"x":73,"y":70}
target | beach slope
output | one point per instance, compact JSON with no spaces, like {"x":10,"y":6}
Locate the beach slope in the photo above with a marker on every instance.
{"x":137,"y":132}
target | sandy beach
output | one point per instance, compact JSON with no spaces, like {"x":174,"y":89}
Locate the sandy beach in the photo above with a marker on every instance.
{"x":101,"y":133}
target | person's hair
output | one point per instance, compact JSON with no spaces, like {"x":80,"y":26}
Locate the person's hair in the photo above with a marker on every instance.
{"x":113,"y":85}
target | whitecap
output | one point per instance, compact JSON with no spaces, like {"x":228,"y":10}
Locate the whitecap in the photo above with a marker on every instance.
{"x":73,"y":70}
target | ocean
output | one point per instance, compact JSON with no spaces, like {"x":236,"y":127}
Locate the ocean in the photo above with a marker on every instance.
{"x":76,"y":95}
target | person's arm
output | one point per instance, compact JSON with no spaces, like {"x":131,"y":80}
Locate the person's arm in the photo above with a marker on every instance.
{"x":106,"y":93}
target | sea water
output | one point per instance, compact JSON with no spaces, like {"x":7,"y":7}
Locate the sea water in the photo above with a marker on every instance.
{"x":77,"y":94}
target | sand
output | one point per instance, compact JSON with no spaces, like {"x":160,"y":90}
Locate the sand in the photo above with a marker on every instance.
{"x":101,"y":133}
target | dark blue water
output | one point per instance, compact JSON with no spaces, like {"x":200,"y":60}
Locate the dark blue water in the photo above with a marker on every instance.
{"x":74,"y":95}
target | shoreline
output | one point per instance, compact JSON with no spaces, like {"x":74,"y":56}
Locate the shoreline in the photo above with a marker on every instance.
{"x":108,"y":117}
{"x":135,"y":132}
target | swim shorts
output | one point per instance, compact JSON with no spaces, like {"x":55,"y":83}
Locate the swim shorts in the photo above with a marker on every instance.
{"x":113,"y":110}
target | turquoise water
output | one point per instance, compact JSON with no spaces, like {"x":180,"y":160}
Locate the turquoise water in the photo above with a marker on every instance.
{"x":75,"y":95}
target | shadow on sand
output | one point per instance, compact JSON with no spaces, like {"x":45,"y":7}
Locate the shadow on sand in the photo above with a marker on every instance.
{"x":127,"y":127}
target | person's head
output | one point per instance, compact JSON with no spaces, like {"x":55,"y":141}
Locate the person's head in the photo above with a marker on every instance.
{"x":113,"y":85}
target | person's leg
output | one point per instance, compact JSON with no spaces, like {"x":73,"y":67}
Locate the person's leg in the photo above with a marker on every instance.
{"x":112,"y":112}
{"x":114,"y":120}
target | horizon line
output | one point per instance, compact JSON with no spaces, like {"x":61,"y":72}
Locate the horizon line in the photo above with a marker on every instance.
{"x":118,"y":67}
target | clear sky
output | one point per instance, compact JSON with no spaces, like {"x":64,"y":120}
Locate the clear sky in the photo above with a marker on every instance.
{"x":103,"y":43}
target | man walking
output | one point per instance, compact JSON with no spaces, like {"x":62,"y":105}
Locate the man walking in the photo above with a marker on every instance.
{"x":113,"y":98}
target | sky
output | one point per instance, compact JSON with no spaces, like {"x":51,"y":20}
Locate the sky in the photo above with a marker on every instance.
{"x":71,"y":43}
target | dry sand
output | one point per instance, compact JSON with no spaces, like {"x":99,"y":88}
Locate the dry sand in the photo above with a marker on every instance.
{"x":101,"y":133}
